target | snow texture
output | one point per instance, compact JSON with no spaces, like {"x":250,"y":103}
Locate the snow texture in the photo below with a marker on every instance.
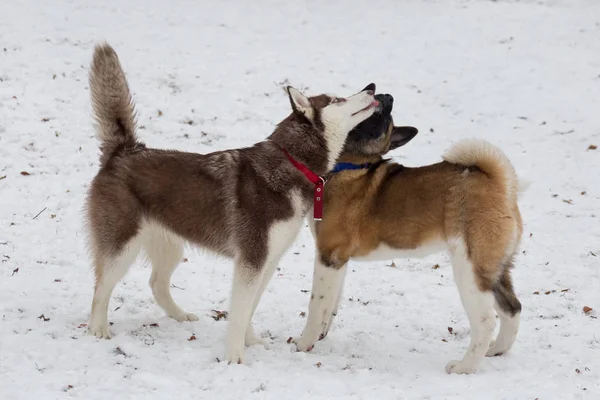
{"x":207,"y":76}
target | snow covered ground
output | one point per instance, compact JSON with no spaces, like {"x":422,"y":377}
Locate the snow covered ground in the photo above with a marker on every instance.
{"x":208,"y":76}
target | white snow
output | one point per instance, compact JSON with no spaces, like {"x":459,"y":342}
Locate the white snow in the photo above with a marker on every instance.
{"x":523,"y":74}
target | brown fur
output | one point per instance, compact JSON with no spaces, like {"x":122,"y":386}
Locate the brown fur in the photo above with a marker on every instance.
{"x":226,"y":202}
{"x":470,"y":202}
{"x":405,"y":208}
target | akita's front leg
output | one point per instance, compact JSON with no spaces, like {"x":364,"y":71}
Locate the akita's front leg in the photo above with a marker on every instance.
{"x":336,"y":306}
{"x":328,"y":278}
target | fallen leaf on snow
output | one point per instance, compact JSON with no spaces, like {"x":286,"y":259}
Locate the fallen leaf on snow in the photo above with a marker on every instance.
{"x":118,"y":351}
{"x":25,"y":173}
{"x":43,"y":318}
{"x":592,"y":147}
{"x":193,"y":337}
{"x":587,"y":309}
{"x":219,"y":315}
{"x":302,"y":314}
{"x":318,"y":364}
{"x":436,"y":266}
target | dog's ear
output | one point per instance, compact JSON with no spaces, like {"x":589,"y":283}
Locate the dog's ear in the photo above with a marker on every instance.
{"x":300,"y":103}
{"x":402,"y":135}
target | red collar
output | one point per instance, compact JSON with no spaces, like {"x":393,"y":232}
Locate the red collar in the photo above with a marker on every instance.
{"x":315,"y":179}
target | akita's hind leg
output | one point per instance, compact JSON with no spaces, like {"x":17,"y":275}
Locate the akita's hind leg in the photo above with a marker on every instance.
{"x":508,"y":308}
{"x":109,"y":271}
{"x":479,"y":305}
{"x":164,"y":251}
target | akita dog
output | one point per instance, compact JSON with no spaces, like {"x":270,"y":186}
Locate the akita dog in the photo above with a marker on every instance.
{"x":375,"y":210}
{"x":247,"y":204}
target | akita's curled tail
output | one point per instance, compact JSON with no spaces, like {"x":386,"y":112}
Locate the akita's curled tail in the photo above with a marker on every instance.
{"x":112,"y":102}
{"x":489,"y":159}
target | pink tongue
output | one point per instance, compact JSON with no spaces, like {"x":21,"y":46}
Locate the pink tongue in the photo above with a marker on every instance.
{"x":375,"y":103}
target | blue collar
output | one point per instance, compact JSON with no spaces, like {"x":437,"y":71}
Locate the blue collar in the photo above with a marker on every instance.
{"x":349,"y":166}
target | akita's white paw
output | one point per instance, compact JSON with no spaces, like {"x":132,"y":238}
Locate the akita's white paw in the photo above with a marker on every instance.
{"x":459,"y":367}
{"x":303,"y":344}
{"x":184,"y":317}
{"x":235,"y":355}
{"x":100,"y":331}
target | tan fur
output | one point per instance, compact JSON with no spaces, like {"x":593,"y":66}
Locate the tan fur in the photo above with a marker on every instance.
{"x":466,"y":204}
{"x":422,"y":205}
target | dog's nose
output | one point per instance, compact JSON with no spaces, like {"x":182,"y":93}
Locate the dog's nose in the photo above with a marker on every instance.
{"x":388,"y":99}
{"x":385,"y":99}
{"x":386,"y":102}
{"x":370,"y":89}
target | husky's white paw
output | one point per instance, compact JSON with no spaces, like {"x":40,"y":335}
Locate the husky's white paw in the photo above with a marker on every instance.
{"x":252,"y":339}
{"x":460,"y":367}
{"x":101,"y":331}
{"x":184,"y":317}
{"x":494,"y":350}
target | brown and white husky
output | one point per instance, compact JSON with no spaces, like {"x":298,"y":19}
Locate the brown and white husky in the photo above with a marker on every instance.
{"x":247,"y":204}
{"x":376,"y":210}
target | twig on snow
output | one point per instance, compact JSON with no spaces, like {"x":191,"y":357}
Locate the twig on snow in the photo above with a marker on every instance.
{"x":38,"y":214}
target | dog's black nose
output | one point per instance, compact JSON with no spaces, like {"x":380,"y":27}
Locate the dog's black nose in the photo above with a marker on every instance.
{"x":370,"y":88}
{"x":387,"y":102}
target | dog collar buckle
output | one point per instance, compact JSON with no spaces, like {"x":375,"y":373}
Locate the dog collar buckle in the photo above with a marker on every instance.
{"x":318,"y":181}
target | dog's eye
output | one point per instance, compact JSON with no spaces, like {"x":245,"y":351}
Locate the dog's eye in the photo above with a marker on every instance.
{"x":338,"y":100}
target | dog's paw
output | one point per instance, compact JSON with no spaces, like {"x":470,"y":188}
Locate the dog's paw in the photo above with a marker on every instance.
{"x":252,"y":339}
{"x":184,"y":317}
{"x":459,"y":367}
{"x":494,"y":350}
{"x":302,"y":344}
{"x":101,"y":332}
{"x":235,"y":356}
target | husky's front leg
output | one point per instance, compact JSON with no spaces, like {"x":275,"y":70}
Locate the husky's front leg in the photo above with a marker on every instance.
{"x":328,"y":278}
{"x":247,"y":281}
